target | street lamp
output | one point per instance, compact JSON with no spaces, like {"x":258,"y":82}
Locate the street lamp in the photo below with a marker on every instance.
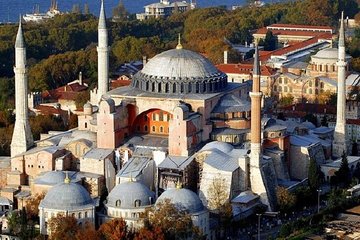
{"x":318,"y":191}
{"x":259,"y":216}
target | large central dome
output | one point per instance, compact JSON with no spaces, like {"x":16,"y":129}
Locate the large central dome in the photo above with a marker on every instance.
{"x":180,"y":71}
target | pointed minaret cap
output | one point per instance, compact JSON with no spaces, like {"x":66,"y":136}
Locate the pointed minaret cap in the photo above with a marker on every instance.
{"x":67,"y":180}
{"x":256,"y":70}
{"x":19,"y":43}
{"x":102,"y":17}
{"x":179,"y":46}
{"x":342,"y":31}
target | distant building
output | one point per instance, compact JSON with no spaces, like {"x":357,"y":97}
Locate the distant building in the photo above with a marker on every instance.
{"x":292,"y":33}
{"x":164,"y":9}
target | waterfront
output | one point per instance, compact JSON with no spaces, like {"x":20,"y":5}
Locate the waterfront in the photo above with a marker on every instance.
{"x":10,"y":10}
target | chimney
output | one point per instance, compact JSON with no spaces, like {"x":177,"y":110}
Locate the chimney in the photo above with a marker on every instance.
{"x":144,"y":61}
{"x":225,"y":57}
{"x":80,"y":78}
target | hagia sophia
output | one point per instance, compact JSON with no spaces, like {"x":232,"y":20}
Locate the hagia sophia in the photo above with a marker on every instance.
{"x":176,"y":130}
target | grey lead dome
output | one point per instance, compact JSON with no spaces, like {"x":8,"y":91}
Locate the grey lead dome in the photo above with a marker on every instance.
{"x":180,"y":71}
{"x":67,"y":196}
{"x":125,"y":194}
{"x":182,"y":198}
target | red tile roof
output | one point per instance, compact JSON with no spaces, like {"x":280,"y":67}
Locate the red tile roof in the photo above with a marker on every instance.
{"x":67,"y":92}
{"x":281,"y":25}
{"x":353,"y":121}
{"x":244,"y":69}
{"x":50,"y":110}
{"x":119,"y":83}
{"x":294,"y":47}
{"x":310,"y":108}
{"x":279,"y":32}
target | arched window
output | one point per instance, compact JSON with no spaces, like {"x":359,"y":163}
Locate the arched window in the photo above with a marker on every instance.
{"x":146,"y":128}
{"x":182,"y":87}
{"x":280,"y":89}
{"x":174,"y":87}
{"x":321,"y":85}
{"x":310,"y":84}
{"x":86,"y":215}
{"x":153,"y":87}
{"x":118,"y":203}
{"x":167,"y":87}
{"x":79,"y":215}
{"x":85,"y":125}
{"x":161,"y":129}
{"x":153,"y":128}
{"x":137,"y":203}
{"x":159,"y":87}
{"x":310,"y":91}
{"x":147,"y":86}
{"x":285,"y":89}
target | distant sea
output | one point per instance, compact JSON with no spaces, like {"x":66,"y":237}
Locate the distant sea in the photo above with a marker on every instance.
{"x":11,"y":9}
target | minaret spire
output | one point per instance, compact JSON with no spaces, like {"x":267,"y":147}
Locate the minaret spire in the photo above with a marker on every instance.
{"x":340,"y":144}
{"x":22,"y":138}
{"x":103,"y":55}
{"x":257,"y":178}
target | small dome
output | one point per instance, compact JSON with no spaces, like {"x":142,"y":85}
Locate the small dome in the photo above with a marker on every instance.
{"x":125,"y":195}
{"x":87,"y":105}
{"x":182,"y":198}
{"x":55,"y":177}
{"x":222,"y":146}
{"x":67,"y":196}
{"x":328,"y":53}
{"x":179,"y":71}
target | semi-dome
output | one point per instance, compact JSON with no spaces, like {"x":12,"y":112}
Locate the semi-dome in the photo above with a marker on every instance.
{"x":182,"y":198}
{"x":179,"y":71}
{"x":130,"y":195}
{"x":56,"y":177}
{"x":67,"y":196}
{"x":222,"y":146}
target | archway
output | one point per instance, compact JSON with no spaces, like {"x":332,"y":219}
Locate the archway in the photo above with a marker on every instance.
{"x":153,"y":121}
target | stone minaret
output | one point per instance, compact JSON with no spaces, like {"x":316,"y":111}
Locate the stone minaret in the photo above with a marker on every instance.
{"x":103,"y":55}
{"x":256,"y":177}
{"x":22,"y":138}
{"x":340,"y":143}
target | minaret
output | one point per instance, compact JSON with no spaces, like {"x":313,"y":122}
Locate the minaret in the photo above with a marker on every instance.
{"x":340,"y":143}
{"x":103,"y":55}
{"x":256,"y":177}
{"x":22,"y":138}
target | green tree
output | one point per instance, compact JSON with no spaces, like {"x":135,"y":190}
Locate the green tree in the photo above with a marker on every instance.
{"x":175,"y":223}
{"x":63,"y":227}
{"x":343,"y":175}
{"x":354,"y":149}
{"x":314,"y":175}
{"x":286,"y":100}
{"x":324,"y":121}
{"x":286,"y":200}
{"x":116,"y":229}
{"x":270,"y":41}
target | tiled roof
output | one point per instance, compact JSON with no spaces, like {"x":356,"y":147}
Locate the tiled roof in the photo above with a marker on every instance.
{"x":310,"y":108}
{"x":281,"y":25}
{"x":353,"y":121}
{"x":67,"y":92}
{"x":49,"y":110}
{"x":242,"y":68}
{"x":295,"y":46}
